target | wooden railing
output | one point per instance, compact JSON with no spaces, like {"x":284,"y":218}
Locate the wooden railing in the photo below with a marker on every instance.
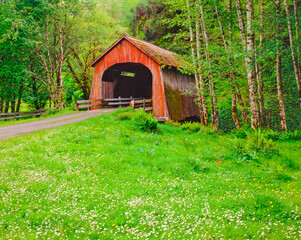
{"x":118,"y":102}
{"x":114,"y":102}
{"x":17,"y":115}
{"x":147,"y":104}
{"x":91,"y":103}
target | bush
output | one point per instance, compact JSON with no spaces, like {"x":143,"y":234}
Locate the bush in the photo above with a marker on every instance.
{"x":273,"y":135}
{"x":191,"y":127}
{"x":145,"y":121}
{"x":173,"y":123}
{"x":50,"y":112}
{"x":257,"y":142}
{"x":208,"y":130}
{"x":295,"y":135}
{"x":125,"y":116}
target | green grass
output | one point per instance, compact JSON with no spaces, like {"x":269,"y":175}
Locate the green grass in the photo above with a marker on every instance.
{"x":106,"y":179}
{"x":52,"y":114}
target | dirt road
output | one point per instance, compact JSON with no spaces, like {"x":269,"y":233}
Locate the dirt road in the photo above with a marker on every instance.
{"x":29,"y":127}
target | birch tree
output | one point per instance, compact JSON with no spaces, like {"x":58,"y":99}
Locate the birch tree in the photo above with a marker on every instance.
{"x":260,"y":68}
{"x":250,"y":65}
{"x":295,"y":57}
{"x":278,"y":71}
{"x":214,"y":107}
{"x":199,"y":80}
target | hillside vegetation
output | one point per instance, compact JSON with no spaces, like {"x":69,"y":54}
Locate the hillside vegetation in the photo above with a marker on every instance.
{"x":109,"y":178}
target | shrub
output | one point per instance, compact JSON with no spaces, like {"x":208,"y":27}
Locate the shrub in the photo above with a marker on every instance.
{"x":295,"y":135}
{"x":239,"y":134}
{"x":257,"y":142}
{"x":191,"y":127}
{"x":173,"y":123}
{"x":208,"y":130}
{"x":145,"y":121}
{"x":125,"y":116}
{"x":50,"y":112}
{"x":271,"y":134}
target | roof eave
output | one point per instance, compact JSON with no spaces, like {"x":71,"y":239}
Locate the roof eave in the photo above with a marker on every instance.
{"x":107,"y":51}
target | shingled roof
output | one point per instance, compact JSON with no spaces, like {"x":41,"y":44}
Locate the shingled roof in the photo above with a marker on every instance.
{"x":159,"y":55}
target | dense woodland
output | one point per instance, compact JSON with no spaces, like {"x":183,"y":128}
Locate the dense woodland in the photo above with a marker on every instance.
{"x":245,"y":54}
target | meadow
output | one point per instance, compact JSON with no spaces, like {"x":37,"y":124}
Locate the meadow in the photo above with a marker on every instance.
{"x":107,"y":178}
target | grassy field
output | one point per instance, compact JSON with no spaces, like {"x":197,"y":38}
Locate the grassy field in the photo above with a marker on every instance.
{"x":106,"y":179}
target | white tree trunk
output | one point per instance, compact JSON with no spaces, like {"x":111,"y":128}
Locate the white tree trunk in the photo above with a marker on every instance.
{"x":278,"y":71}
{"x":250,"y":62}
{"x":259,"y":70}
{"x":215,"y":117}
{"x":198,"y":78}
{"x":294,"y":56}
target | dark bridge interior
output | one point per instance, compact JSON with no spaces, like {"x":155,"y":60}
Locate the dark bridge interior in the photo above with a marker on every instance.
{"x":130,"y":80}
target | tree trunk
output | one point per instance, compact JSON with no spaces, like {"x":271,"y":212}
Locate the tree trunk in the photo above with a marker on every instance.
{"x":200,"y":74}
{"x":80,"y":83}
{"x":259,"y":70}
{"x":35,"y":93}
{"x":297,"y":33}
{"x":241,"y":23}
{"x":197,"y":81}
{"x":232,"y":76}
{"x":13,"y":106}
{"x":61,"y":59}
{"x":250,"y":64}
{"x":1,"y":105}
{"x":294,"y":56}
{"x":278,"y":70}
{"x":243,"y":40}
{"x":234,"y":111}
{"x":19,"y":98}
{"x":270,"y":118}
{"x":6,"y":107}
{"x":214,"y":107}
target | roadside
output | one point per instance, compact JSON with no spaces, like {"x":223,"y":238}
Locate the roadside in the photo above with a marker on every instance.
{"x":47,"y":115}
{"x":11,"y":131}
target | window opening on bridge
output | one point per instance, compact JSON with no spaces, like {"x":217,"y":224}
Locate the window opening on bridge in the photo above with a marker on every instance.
{"x":128,"y":74}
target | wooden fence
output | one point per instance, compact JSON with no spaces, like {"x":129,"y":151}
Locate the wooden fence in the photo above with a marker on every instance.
{"x":90,"y":103}
{"x":147,"y":104}
{"x":17,"y":115}
{"x":114,"y":102}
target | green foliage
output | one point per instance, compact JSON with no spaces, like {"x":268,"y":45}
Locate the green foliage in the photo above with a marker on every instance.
{"x":271,"y":134}
{"x":194,"y":127}
{"x":256,"y":141}
{"x":173,"y":123}
{"x":295,"y":135}
{"x":125,"y":116}
{"x":191,"y":127}
{"x":50,"y":112}
{"x":145,"y":121}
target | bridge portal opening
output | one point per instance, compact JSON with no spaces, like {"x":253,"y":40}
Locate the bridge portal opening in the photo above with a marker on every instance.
{"x":129,"y":80}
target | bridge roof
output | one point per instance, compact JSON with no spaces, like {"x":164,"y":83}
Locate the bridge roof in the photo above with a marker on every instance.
{"x":158,"y":54}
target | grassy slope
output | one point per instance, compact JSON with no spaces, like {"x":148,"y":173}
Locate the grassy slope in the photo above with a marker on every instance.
{"x":105,"y":179}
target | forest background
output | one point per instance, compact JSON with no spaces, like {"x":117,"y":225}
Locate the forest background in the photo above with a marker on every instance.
{"x":245,"y":55}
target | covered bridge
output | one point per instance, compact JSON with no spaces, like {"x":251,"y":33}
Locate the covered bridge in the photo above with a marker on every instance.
{"x":135,"y":68}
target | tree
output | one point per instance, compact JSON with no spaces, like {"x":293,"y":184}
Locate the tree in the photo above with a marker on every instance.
{"x":278,"y":70}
